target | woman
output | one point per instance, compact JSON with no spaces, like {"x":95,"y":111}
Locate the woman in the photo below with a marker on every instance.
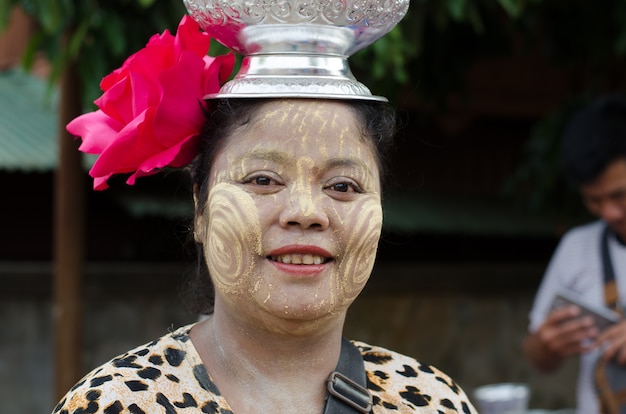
{"x":288,"y":217}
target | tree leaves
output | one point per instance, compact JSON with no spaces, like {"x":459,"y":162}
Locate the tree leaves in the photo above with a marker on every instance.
{"x":97,"y":34}
{"x":432,"y":46}
{"x":109,"y":30}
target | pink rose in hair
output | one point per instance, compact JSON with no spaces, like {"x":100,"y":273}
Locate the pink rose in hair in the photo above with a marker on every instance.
{"x":151,"y":112}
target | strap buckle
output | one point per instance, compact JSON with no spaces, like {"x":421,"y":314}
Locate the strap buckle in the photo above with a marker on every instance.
{"x":349,"y":392}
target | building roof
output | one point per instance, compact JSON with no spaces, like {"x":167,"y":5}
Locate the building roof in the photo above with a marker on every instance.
{"x":458,"y":214}
{"x":28,"y":123}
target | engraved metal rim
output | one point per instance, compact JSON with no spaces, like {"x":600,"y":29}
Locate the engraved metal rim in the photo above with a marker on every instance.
{"x":355,"y":13}
{"x":289,"y":39}
{"x":296,"y":95}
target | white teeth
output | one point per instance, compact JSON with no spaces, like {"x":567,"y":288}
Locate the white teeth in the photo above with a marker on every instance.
{"x":306,"y":259}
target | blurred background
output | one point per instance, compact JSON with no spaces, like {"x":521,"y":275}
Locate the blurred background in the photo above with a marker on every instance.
{"x":474,"y":207}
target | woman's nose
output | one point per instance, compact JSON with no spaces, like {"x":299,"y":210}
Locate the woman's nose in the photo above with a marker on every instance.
{"x":304,"y":210}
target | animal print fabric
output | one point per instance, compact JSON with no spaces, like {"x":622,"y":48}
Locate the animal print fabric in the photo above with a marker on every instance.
{"x":167,"y":376}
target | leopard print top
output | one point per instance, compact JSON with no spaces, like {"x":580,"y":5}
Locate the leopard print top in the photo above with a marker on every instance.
{"x":167,"y":376}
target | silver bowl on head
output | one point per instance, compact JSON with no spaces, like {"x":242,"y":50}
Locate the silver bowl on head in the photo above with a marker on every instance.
{"x":296,"y":48}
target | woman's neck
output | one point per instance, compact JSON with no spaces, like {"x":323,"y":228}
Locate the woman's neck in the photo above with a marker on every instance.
{"x":272,"y":371}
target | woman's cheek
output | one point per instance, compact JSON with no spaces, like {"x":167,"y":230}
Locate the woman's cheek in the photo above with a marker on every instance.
{"x":233,"y":237}
{"x":360,"y":254}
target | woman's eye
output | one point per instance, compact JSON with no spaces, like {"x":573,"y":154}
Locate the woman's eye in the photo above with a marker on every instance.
{"x":262,"y":180}
{"x":345,"y":187}
{"x":341,"y":187}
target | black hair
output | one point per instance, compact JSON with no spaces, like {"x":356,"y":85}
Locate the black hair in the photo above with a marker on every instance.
{"x":379,"y":126}
{"x":593,"y":138}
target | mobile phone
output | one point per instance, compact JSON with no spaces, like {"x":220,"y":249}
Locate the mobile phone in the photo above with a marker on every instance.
{"x":603,"y":317}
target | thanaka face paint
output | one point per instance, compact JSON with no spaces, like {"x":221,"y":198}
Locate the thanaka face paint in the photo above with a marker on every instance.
{"x":294,"y":215}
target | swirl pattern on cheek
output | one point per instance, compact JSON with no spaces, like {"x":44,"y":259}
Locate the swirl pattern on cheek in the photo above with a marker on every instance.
{"x":360,"y":253}
{"x":233,"y":236}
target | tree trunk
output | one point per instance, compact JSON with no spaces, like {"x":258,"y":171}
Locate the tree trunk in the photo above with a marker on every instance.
{"x":69,"y":240}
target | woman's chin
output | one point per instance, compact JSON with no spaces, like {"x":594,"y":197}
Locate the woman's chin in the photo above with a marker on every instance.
{"x":302,"y":312}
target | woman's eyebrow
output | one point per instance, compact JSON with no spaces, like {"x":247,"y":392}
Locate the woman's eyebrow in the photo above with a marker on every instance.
{"x":281,"y":157}
{"x":278,"y":157}
{"x":348,"y":162}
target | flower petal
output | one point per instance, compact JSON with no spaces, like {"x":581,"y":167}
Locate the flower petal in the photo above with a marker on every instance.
{"x":151,"y":110}
{"x":116,"y":101}
{"x":100,"y":183}
{"x":96,"y":130}
{"x":180,"y":110}
{"x":177,"y":156}
{"x":190,"y":38}
{"x":218,"y":70}
{"x":120,"y":155}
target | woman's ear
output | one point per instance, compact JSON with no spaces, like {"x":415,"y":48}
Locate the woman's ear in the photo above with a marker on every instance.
{"x":199,"y":225}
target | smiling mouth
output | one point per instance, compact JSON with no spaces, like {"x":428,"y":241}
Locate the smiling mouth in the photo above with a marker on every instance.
{"x":300,"y":259}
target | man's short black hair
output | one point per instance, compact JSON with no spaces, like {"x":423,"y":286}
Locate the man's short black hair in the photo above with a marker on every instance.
{"x":593,"y":138}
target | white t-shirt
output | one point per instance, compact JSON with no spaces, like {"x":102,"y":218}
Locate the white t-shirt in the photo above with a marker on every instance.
{"x":577,"y":265}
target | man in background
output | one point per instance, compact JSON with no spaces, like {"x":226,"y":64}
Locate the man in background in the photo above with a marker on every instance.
{"x":594,"y":159}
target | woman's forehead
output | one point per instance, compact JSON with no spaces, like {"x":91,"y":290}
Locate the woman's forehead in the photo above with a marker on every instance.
{"x":295,"y":123}
{"x":305,"y":112}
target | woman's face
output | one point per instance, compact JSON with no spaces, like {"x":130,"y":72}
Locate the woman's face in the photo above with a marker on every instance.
{"x":293,"y":215}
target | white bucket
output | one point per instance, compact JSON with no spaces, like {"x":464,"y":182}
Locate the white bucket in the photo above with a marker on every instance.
{"x":502,"y":398}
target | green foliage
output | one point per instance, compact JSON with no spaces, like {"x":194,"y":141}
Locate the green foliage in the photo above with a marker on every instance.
{"x":95,"y":34}
{"x":436,"y":42}
{"x":98,"y":34}
{"x":442,"y":38}
{"x":537,"y":184}
{"x":432,"y":46}
{"x":591,"y":41}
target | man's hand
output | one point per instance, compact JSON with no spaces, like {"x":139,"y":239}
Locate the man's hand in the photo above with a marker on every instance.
{"x":613,"y":343}
{"x":563,"y":334}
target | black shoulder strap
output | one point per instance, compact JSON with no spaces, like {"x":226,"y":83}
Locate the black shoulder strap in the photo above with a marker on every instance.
{"x":609,"y":377}
{"x":347,"y":392}
{"x":610,"y":286}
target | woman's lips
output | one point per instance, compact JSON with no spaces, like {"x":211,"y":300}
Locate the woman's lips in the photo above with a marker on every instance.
{"x":300,"y":259}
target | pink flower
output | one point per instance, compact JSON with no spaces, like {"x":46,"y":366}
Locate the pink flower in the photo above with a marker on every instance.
{"x":151,"y":110}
